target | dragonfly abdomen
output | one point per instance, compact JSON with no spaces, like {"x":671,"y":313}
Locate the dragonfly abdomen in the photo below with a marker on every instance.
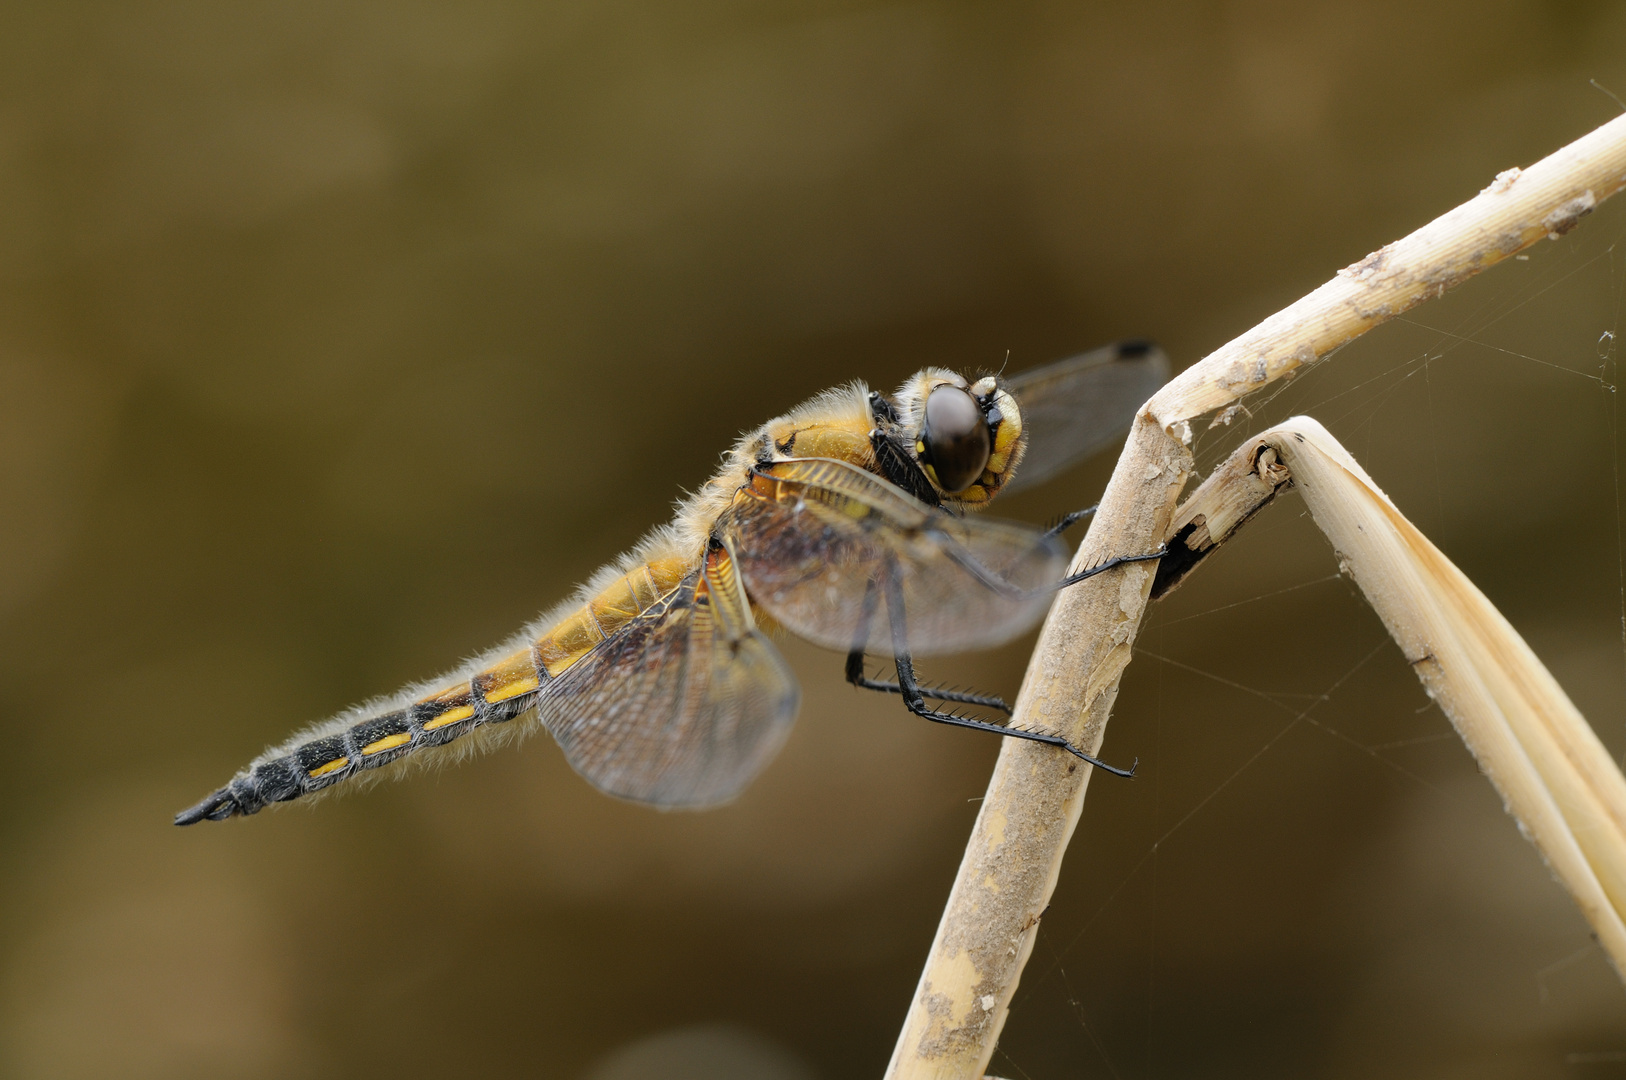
{"x":617,"y":603}
{"x":495,"y":692}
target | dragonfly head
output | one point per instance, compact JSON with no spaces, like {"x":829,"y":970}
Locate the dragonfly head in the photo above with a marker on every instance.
{"x":966,"y":436}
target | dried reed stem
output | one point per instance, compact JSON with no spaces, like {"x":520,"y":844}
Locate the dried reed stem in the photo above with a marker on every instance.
{"x":1034,"y":798}
{"x":1554,"y":776}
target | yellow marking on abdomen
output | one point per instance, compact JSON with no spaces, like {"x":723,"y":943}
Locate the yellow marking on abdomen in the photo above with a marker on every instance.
{"x":388,"y":742}
{"x":331,"y":767}
{"x":451,"y":717}
{"x":509,"y":677}
{"x":617,"y":604}
{"x":568,"y":642}
{"x":644,"y":588}
{"x":456,"y":700}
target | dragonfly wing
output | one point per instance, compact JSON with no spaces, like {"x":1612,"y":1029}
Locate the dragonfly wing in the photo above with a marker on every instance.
{"x":682,"y":706}
{"x":1078,"y":406}
{"x":815,"y":536}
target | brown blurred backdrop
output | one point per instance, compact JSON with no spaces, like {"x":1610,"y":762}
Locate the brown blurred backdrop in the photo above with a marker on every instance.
{"x":338,"y":339}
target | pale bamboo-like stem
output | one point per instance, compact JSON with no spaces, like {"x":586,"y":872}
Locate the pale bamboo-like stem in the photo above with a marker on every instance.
{"x":1034,"y":798}
{"x":1554,"y":776}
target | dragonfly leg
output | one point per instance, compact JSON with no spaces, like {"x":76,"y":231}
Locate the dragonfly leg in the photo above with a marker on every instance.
{"x":1117,"y":560}
{"x":856,"y":676}
{"x":1069,"y":520}
{"x":998,"y":584}
{"x":914,"y":698}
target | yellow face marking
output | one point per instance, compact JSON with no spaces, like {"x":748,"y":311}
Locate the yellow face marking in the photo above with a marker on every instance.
{"x":331,"y":767}
{"x":1010,"y":428}
{"x":451,"y":716}
{"x":388,"y":742}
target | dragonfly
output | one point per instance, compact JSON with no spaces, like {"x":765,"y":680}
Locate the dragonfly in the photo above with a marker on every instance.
{"x":850,"y":522}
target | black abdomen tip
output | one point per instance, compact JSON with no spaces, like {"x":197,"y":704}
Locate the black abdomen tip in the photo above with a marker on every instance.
{"x":217,"y":807}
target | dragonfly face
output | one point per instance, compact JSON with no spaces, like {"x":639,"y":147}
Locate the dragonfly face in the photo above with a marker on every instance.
{"x":965,"y":439}
{"x":844,"y":522}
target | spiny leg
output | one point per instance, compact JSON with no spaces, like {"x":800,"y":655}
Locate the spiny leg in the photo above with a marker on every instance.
{"x":986,"y":577}
{"x":857,"y":676}
{"x":1116,"y":560}
{"x":1069,"y":520}
{"x":914,"y":698}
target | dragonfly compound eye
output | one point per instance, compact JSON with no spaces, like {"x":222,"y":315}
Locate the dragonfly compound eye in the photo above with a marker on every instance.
{"x":955,"y":438}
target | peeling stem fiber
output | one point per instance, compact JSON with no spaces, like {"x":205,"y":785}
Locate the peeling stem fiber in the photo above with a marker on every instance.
{"x":1035,"y":796}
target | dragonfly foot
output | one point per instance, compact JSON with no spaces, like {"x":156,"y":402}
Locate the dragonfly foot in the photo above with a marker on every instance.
{"x":1045,"y":737}
{"x":1118,"y":560}
{"x":857,"y":676}
{"x":1067,"y":521}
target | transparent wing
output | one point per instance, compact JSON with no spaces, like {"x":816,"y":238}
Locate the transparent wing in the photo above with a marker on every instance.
{"x":1076,"y":407}
{"x":815,"y":536}
{"x":674,"y":709}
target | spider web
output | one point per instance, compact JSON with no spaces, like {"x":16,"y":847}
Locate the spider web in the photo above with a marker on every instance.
{"x":1301,"y":802}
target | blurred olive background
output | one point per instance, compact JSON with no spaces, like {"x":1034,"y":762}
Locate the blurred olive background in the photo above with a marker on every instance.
{"x":336,"y":340}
